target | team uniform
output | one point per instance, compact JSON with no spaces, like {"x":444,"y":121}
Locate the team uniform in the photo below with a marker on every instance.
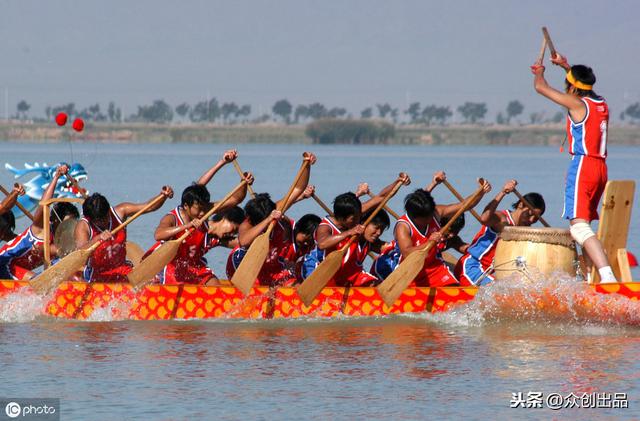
{"x":108,"y":262}
{"x":587,"y":174}
{"x":435,"y":272}
{"x":478,"y":260}
{"x":21,"y":255}
{"x":278,"y":268}
{"x":351,"y":272}
{"x":189,"y":266}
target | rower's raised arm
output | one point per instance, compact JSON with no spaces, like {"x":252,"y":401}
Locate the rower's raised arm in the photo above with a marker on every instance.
{"x":126,"y":209}
{"x":301,"y":185}
{"x":11,"y":199}
{"x":447,"y":211}
{"x":227,"y":157}
{"x":38,"y":216}
{"x":237,"y":197}
{"x":377,"y":199}
{"x":490,"y":216}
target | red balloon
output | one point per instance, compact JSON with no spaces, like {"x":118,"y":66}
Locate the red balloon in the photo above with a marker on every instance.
{"x":78,"y":125}
{"x":61,"y":119}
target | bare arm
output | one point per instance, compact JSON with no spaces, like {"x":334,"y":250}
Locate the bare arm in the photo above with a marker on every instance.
{"x":447,"y":211}
{"x":10,"y":201}
{"x":168,"y":229}
{"x":81,"y":235}
{"x":326,"y":240}
{"x":227,"y":157}
{"x":574,"y":104}
{"x":38,"y":217}
{"x":126,"y":209}
{"x":377,"y":199}
{"x":490,"y":217}
{"x":247,"y":232}
{"x":301,"y":185}
{"x":438,"y":177}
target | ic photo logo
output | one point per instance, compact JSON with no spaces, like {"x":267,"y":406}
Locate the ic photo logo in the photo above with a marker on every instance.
{"x":13,"y":409}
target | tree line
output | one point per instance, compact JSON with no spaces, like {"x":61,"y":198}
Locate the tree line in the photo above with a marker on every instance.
{"x":213,"y":111}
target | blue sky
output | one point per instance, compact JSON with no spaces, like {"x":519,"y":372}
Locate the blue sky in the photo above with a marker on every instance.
{"x":342,"y":53}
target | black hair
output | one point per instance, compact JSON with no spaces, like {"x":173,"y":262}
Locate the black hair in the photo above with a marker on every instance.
{"x":235,"y":215}
{"x":307,"y":224}
{"x":585,"y":75}
{"x":62,"y":209}
{"x":195,"y":193}
{"x":420,"y":203}
{"x":258,"y":208}
{"x":536,"y":200}
{"x":381,"y":219}
{"x":95,"y":207}
{"x":346,"y":205}
{"x":457,"y":225}
{"x":7,"y":222}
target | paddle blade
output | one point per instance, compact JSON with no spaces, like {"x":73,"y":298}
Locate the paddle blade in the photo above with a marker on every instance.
{"x":318,"y":279}
{"x":154,"y":263}
{"x":393,"y":286}
{"x":134,"y":253}
{"x":52,"y":277}
{"x":249,"y":268}
{"x":64,"y":238}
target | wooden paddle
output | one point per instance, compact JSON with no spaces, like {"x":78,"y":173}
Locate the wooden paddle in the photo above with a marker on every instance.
{"x":330,"y":213}
{"x":530,"y":206}
{"x":542,"y":50}
{"x":547,"y":38}
{"x":18,"y":204}
{"x":252,"y":262}
{"x":393,"y":286}
{"x":73,"y":262}
{"x":241,"y":174}
{"x":64,"y":237}
{"x":75,"y":184}
{"x":134,"y":253}
{"x":389,"y":210}
{"x":312,"y":286}
{"x":156,"y":261}
{"x":460,"y":198}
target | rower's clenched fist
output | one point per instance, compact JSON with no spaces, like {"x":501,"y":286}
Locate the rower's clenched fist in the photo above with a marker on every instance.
{"x":309,"y":156}
{"x":362,"y":189}
{"x":62,"y":170}
{"x":308,"y":191}
{"x":509,"y":186}
{"x":486,"y":186}
{"x":167,"y":192}
{"x":229,"y":155}
{"x":18,"y":189}
{"x":404,"y":178}
{"x":275,"y":215}
{"x":248,"y":177}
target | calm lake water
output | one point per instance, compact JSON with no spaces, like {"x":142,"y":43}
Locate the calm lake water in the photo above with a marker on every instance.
{"x":467,"y":364}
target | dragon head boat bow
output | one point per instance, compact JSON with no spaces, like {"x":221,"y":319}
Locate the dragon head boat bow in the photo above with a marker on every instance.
{"x":43,"y":174}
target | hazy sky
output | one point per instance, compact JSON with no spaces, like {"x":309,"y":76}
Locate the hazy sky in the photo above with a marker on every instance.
{"x":342,"y":53}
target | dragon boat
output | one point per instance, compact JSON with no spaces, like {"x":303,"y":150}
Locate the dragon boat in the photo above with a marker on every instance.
{"x":84,"y":301}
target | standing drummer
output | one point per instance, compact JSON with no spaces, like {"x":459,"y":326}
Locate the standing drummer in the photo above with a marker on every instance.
{"x":587,"y":124}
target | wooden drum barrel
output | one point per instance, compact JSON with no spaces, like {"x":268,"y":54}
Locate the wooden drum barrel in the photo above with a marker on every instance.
{"x":547,"y":249}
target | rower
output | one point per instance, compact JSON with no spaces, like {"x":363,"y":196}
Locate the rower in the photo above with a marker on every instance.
{"x":421,"y":223}
{"x":261,"y":210}
{"x":189,"y":265}
{"x":7,"y":218}
{"x":108,"y":262}
{"x":334,"y":232}
{"x":476,"y":266}
{"x":587,"y":126}
{"x":25,"y":252}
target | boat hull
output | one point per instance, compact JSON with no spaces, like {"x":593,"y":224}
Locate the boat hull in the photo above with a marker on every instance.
{"x":84,"y":301}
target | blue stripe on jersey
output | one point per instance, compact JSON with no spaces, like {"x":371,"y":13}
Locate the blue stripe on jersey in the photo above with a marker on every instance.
{"x":479,"y":247}
{"x":570,"y":187}
{"x":577,"y":134}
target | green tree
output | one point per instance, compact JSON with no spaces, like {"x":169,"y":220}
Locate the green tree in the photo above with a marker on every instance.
{"x":316,"y":111}
{"x":183,"y":109}
{"x":633,"y":111}
{"x":205,"y":111}
{"x":514,"y":109}
{"x":283,"y":109}
{"x":472,"y":111}
{"x":366,"y":113}
{"x":384,"y":110}
{"x":301,"y":112}
{"x":228,"y":109}
{"x":336,"y":112}
{"x":22,"y":109}
{"x":536,"y":118}
{"x":500,"y":119}
{"x":413,"y":112}
{"x":47,"y":111}
{"x":558,"y":117}
{"x":158,"y":112}
{"x":244,"y":111}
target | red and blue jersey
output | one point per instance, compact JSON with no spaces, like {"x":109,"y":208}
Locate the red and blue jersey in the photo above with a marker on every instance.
{"x":587,"y":174}
{"x":589,"y":137}
{"x":24,"y":251}
{"x":351,"y":271}
{"x":108,"y":262}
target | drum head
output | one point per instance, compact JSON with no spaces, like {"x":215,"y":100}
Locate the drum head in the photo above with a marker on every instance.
{"x":64,"y":238}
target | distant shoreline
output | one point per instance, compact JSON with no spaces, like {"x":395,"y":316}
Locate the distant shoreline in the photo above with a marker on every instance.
{"x":295,"y":134}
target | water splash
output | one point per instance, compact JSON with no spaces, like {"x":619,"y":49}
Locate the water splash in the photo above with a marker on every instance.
{"x":22,"y":306}
{"x":114,"y":310}
{"x":543,"y":300}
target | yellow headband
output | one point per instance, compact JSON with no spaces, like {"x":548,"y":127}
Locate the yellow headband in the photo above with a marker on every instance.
{"x":572,"y":80}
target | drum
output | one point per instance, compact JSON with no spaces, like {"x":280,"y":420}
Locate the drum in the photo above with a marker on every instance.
{"x":546,"y":249}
